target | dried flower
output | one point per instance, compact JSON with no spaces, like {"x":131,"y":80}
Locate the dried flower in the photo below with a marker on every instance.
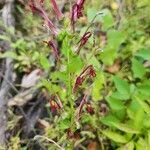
{"x":40,"y":11}
{"x":84,"y":40}
{"x":77,"y":11}
{"x":89,"y":108}
{"x":56,"y":9}
{"x":88,"y":71}
{"x":92,"y":72}
{"x":55,"y":104}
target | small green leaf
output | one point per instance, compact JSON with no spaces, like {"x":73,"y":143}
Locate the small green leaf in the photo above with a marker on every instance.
{"x":115,"y":104}
{"x":144,"y":89}
{"x":122,"y":87}
{"x":97,"y":86}
{"x":124,"y":127}
{"x":115,"y":136}
{"x":44,"y":62}
{"x":128,"y":146}
{"x":138,"y":69}
{"x":107,"y":120}
{"x":109,"y":54}
{"x":64,"y":124}
{"x":144,"y":53}
{"x":146,"y":121}
{"x":142,"y":144}
{"x":143,"y":104}
{"x":9,"y":54}
{"x":75,"y":64}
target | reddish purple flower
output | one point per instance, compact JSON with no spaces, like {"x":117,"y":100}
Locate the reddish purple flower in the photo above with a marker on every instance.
{"x":78,"y":83}
{"x":55,"y":104}
{"x":87,"y":72}
{"x":84,"y":40}
{"x":40,"y":11}
{"x":77,"y":9}
{"x":56,"y":9}
{"x":89,"y":108}
{"x":52,"y":45}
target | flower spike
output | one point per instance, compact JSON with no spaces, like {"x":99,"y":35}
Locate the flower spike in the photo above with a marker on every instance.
{"x":89,"y":71}
{"x":40,"y":11}
{"x":84,"y":40}
{"x":56,"y":9}
{"x":77,"y":12}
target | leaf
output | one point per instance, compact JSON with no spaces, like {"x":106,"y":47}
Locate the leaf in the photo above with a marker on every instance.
{"x":107,"y":120}
{"x":92,"y":60}
{"x":144,"y":89}
{"x":146,"y":121}
{"x":66,"y":46}
{"x":64,"y":124}
{"x":128,"y":146}
{"x":138,"y":119}
{"x":44,"y":62}
{"x":124,"y":127}
{"x":97,"y":86}
{"x":122,"y":87}
{"x":109,"y":54}
{"x":75,"y":64}
{"x":143,"y":104}
{"x":115,"y":136}
{"x":118,"y":95}
{"x":9,"y":54}
{"x":144,"y":53}
{"x":138,"y":69}
{"x":142,"y":144}
{"x":115,"y":104}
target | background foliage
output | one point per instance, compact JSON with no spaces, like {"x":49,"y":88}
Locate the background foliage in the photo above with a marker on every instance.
{"x":119,"y":95}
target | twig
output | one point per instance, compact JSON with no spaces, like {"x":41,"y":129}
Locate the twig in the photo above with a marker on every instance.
{"x":13,"y":87}
{"x":50,"y":140}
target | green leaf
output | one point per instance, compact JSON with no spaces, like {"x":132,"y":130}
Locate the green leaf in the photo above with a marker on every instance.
{"x":144,"y":53}
{"x":143,"y":104}
{"x":92,"y":60}
{"x":64,"y":124}
{"x":107,"y":120}
{"x":128,"y":146}
{"x":124,"y":127}
{"x":66,"y":46}
{"x":91,"y":12}
{"x":107,"y":19}
{"x":138,"y":119}
{"x":44,"y":62}
{"x":115,"y":136}
{"x":97,"y":86}
{"x":146,"y":121}
{"x":109,"y":54}
{"x":144,"y":89}
{"x":75,"y":64}
{"x":9,"y":54}
{"x":122,"y":87}
{"x":138,"y":69}
{"x":142,"y":144}
{"x":115,"y":104}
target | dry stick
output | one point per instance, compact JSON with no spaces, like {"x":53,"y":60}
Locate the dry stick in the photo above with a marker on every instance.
{"x":50,"y":140}
{"x":8,"y":20}
{"x":14,"y":88}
